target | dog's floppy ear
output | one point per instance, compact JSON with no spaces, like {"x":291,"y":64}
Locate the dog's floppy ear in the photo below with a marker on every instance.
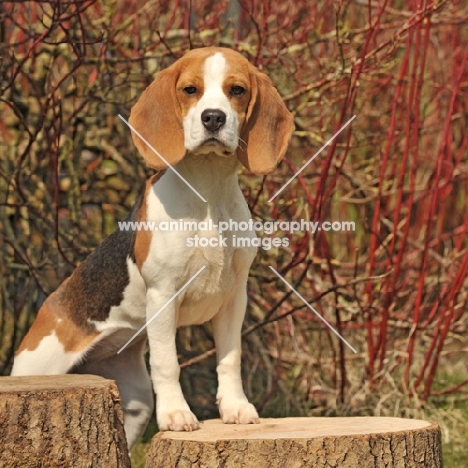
{"x":156,"y":117}
{"x":267,"y":129}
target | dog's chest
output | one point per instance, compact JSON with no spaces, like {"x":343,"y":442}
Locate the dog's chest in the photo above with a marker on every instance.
{"x":213,"y":284}
{"x":198,"y":252}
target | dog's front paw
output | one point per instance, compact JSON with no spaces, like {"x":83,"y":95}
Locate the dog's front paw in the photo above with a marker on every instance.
{"x":238,"y":413}
{"x":177,"y":420}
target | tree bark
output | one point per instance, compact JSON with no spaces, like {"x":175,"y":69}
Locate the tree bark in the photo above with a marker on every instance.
{"x":61,"y":421}
{"x":366,"y":442}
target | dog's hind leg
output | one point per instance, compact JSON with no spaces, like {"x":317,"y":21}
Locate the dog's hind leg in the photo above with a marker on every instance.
{"x":54,"y":344}
{"x":128,"y":369}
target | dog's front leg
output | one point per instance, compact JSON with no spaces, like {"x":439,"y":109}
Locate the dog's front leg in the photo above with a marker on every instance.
{"x":227,"y":325}
{"x":172,"y":411}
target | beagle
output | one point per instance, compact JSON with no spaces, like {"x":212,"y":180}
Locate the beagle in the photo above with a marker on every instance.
{"x":207,"y":113}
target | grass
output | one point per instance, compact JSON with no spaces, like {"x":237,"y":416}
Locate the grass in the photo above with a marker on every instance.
{"x":451,"y":412}
{"x":453,"y":419}
{"x":141,"y":448}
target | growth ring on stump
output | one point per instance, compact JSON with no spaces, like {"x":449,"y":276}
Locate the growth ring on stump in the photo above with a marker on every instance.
{"x":355,"y":442}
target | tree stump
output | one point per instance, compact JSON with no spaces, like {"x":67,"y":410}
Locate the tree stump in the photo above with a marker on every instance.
{"x":365,"y":442}
{"x":61,"y":421}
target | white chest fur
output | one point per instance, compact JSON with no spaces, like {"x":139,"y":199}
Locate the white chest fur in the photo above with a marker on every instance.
{"x":176,"y":254}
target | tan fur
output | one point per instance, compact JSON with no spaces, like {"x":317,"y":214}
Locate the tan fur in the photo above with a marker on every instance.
{"x":143,"y":237}
{"x":156,"y":116}
{"x":73,"y":337}
{"x":268,"y":128}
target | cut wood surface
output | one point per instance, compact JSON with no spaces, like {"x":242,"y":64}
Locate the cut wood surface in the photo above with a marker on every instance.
{"x":61,"y":421}
{"x":355,"y":442}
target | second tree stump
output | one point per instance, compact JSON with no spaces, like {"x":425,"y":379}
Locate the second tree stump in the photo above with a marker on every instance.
{"x":366,"y":442}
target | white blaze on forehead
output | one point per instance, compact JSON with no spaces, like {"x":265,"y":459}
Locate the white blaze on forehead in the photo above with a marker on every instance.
{"x":214,"y":73}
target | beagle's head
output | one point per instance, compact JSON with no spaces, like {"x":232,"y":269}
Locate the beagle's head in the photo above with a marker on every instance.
{"x":212,"y":100}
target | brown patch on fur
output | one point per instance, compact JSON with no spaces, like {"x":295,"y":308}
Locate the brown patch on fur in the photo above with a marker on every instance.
{"x":156,"y":117}
{"x":143,"y":237}
{"x":51,"y":319}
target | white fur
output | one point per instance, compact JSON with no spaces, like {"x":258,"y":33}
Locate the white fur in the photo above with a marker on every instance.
{"x":43,"y":360}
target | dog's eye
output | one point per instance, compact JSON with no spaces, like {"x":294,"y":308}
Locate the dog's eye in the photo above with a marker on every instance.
{"x":237,"y":90}
{"x":190,"y":90}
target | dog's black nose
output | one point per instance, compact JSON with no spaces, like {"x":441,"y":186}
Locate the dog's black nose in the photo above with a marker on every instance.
{"x":213,"y":119}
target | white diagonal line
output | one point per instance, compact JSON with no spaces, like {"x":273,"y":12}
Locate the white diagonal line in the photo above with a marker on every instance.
{"x":157,"y":152}
{"x":312,"y":158}
{"x":314,"y":311}
{"x":160,"y":310}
